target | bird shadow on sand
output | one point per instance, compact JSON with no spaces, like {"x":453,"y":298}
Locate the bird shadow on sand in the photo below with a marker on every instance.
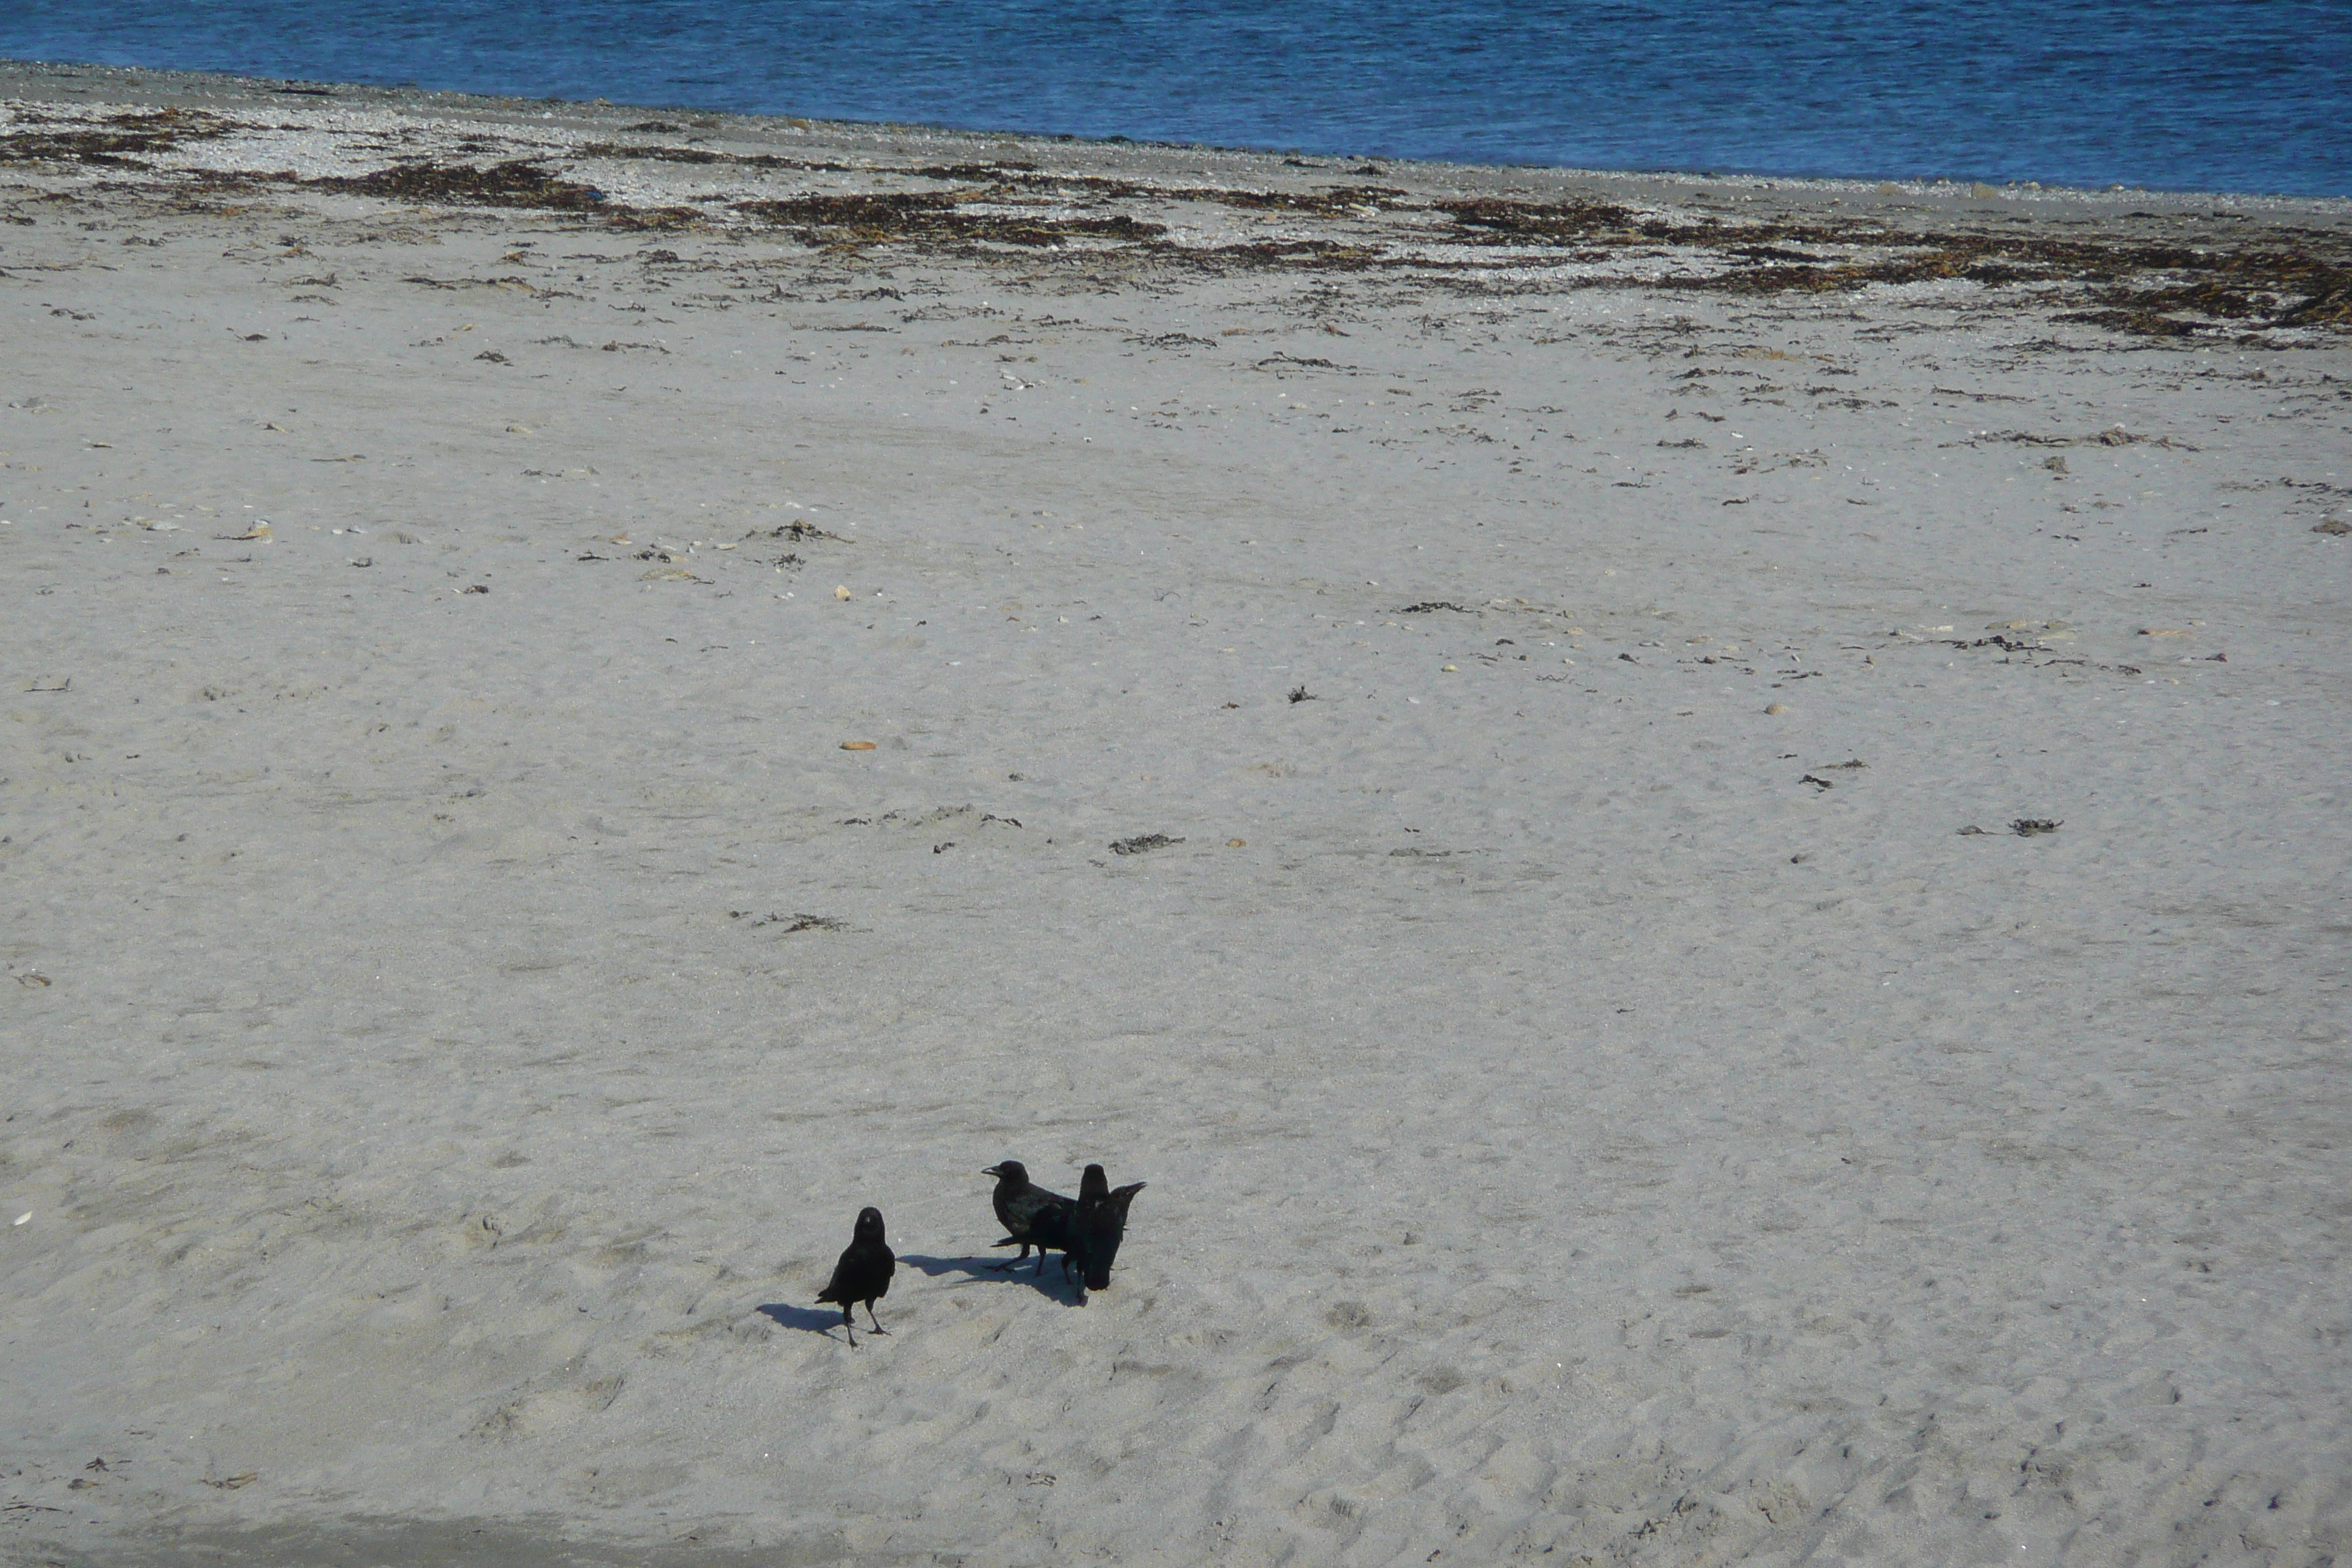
{"x":815,"y":1319}
{"x":1051,"y":1283}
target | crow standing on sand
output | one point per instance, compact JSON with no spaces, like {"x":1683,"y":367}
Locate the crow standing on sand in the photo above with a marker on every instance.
{"x":1031,"y":1216}
{"x":1098,"y":1227}
{"x":863,"y":1273}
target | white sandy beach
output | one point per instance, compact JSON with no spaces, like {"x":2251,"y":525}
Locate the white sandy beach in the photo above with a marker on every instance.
{"x":1599,"y":1104}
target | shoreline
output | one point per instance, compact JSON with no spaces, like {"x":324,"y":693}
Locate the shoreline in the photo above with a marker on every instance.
{"x":1684,"y":827}
{"x":15,"y":74}
{"x":2271,"y":273}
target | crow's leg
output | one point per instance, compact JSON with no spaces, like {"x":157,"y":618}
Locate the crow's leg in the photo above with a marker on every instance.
{"x":1003,"y":1268}
{"x":874,"y":1320}
{"x":1041,"y":1263}
{"x":850,"y":1323}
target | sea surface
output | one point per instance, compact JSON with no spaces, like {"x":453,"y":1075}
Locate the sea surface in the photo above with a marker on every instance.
{"x":2223,"y":95}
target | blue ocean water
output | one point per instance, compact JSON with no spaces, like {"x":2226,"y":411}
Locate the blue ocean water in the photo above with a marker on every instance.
{"x":2236,"y":95}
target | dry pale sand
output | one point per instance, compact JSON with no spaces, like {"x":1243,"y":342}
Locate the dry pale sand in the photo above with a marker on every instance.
{"x":1599,"y":1104}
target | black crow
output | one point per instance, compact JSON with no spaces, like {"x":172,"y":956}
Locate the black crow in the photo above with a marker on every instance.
{"x":1098,"y":1227}
{"x":1052,"y":1231}
{"x":863,"y":1273}
{"x":1031,"y":1216}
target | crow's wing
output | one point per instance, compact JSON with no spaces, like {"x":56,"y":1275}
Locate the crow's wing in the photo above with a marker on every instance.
{"x":1022,"y":1212}
{"x":845,"y":1277}
{"x":1101,"y":1225}
{"x":1051,"y":1227}
{"x":863,"y":1273}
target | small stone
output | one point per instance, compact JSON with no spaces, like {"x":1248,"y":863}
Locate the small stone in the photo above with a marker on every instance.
{"x":1776,"y":707}
{"x":2332,"y":525}
{"x":857,"y":745}
{"x":1455,"y":667}
{"x":1237,"y":843}
{"x":841,"y":593}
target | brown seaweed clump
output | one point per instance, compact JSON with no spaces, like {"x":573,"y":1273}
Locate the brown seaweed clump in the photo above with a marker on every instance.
{"x":520,"y":183}
{"x":120,"y":141}
{"x":1493,"y":221}
{"x":932,"y":217}
{"x":2151,"y":287}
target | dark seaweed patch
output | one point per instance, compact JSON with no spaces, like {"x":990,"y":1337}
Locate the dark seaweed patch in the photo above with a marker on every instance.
{"x":121,"y":141}
{"x":879,"y":211}
{"x":2152,"y":288}
{"x":1325,"y":254}
{"x":967,"y":173}
{"x":657,"y":153}
{"x":933,"y":217}
{"x":1143,"y":843}
{"x":520,"y":183}
{"x":1341,"y":198}
{"x":795,"y":531}
{"x":1497,"y":222}
{"x":1025,"y":176}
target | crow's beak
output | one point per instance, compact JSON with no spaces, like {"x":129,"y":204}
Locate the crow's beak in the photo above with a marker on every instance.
{"x":994,"y":1170}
